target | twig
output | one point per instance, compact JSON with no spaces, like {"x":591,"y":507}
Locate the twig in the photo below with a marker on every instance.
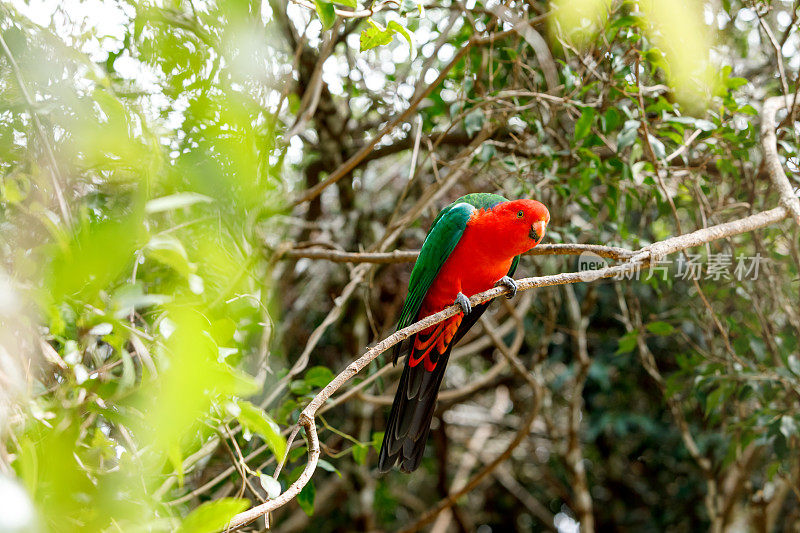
{"x":682,"y":148}
{"x":313,"y":91}
{"x":778,"y":55}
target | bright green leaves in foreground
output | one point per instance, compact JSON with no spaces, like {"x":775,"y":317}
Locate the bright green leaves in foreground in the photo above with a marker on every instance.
{"x":376,"y":35}
{"x":193,"y":379}
{"x":326,"y":13}
{"x":151,"y":301}
{"x":257,"y":421}
{"x":212,"y":516}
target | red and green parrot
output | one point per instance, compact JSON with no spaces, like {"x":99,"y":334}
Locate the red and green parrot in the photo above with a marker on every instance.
{"x":473,"y":245}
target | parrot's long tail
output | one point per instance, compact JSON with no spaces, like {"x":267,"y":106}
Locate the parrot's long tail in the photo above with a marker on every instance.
{"x":413,"y":407}
{"x":415,"y":400}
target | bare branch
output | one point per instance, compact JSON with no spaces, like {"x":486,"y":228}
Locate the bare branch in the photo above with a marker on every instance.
{"x":769,"y":143}
{"x":407,"y":256}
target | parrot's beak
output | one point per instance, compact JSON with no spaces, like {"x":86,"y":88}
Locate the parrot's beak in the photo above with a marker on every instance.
{"x":537,"y":231}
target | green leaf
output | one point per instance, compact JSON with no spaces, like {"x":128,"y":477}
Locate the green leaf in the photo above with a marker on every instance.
{"x":168,"y":250}
{"x":584,"y":124}
{"x":318,"y":376}
{"x":325,"y":465}
{"x":306,"y":498}
{"x":657,"y":59}
{"x":660,"y":328}
{"x":627,"y":21}
{"x":374,"y":36}
{"x":299,"y":387}
{"x":705,"y":125}
{"x":347,"y":3}
{"x":326,"y":13}
{"x":713,"y":400}
{"x":473,"y":122}
{"x":488,"y":151}
{"x":627,"y":343}
{"x":257,"y":421}
{"x":360,"y":453}
{"x":212,"y":516}
{"x":175,"y":201}
{"x":657,"y":146}
{"x":408,"y":6}
{"x":628,"y":135}
{"x":397,"y":27}
{"x":377,"y":439}
{"x":610,"y":120}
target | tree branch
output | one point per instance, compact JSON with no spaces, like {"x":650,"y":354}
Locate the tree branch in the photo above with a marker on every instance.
{"x":769,"y":143}
{"x":407,"y":256}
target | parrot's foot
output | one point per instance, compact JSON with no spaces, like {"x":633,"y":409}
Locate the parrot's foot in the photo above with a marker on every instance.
{"x":506,"y":281}
{"x":463,"y":302}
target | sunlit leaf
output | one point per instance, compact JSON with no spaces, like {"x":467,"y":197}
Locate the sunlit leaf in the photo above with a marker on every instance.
{"x":212,"y":516}
{"x":257,"y":421}
{"x":326,"y":13}
{"x":270,"y":485}
{"x":374,"y":36}
{"x":473,"y":122}
{"x":397,"y":27}
{"x":175,"y":201}
{"x":170,"y":251}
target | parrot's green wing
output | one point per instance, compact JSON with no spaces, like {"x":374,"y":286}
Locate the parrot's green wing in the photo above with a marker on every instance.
{"x":445,"y":232}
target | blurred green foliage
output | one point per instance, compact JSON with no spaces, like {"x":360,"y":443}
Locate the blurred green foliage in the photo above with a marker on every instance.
{"x":154,"y":293}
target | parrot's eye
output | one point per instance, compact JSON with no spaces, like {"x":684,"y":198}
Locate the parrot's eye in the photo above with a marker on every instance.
{"x":520,"y":214}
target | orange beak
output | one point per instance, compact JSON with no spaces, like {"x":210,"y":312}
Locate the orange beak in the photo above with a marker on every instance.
{"x":537,"y":231}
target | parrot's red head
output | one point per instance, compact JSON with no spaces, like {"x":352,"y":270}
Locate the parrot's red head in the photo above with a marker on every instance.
{"x":524,"y":223}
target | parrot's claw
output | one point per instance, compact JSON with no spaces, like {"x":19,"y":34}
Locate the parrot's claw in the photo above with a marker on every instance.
{"x":463,"y":302}
{"x":506,"y":281}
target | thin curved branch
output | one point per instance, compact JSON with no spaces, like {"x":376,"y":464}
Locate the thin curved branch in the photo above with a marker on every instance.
{"x":769,"y":142}
{"x":407,"y":256}
{"x":640,"y":260}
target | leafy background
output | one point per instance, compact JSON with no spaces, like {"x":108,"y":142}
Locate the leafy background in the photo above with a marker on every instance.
{"x":163,"y":323}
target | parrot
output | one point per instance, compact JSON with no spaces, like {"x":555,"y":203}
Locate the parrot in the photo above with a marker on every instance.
{"x":473,"y":244}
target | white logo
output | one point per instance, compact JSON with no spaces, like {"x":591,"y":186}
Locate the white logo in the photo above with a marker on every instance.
{"x":588,"y":262}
